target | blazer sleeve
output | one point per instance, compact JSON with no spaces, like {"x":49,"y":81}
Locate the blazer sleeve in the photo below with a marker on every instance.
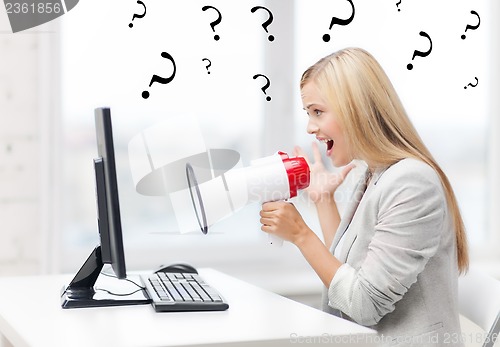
{"x":412,"y":208}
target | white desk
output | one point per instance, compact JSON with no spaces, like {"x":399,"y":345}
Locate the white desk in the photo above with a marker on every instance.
{"x":31,"y":315}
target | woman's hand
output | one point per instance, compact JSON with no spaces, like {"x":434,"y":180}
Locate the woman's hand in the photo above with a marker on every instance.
{"x":323,"y":183}
{"x":282,"y":219}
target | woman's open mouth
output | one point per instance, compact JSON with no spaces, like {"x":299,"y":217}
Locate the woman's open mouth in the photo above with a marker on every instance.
{"x":329,"y":145}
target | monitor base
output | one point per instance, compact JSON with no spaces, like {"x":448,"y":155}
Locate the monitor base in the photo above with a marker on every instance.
{"x":82,"y":292}
{"x":98,"y":298}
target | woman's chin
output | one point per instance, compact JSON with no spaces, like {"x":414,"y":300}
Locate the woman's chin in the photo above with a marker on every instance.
{"x":338,"y":162}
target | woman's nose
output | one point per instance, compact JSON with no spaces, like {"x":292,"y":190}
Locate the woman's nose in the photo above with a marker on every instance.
{"x":311,"y":127}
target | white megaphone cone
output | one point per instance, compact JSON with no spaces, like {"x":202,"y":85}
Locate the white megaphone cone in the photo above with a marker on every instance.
{"x":272,"y":178}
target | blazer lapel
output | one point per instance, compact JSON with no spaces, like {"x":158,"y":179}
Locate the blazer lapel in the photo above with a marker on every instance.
{"x":350,"y":237}
{"x":349,"y":213}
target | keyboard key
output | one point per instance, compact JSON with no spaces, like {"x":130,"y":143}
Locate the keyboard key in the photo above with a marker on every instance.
{"x":164,"y":297}
{"x":185,"y":295}
{"x":170,"y":277}
{"x":213,"y":294}
{"x":191,"y":292}
{"x":173,"y":291}
{"x":204,"y":296}
{"x":161,"y":277}
{"x":198,"y":279}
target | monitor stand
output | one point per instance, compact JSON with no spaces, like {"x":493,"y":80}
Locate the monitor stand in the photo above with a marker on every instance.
{"x":81,"y":292}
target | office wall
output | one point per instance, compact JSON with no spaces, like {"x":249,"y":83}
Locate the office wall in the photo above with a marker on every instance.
{"x":20,"y":145}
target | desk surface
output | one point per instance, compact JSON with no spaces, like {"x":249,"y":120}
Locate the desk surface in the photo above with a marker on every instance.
{"x":31,"y":315}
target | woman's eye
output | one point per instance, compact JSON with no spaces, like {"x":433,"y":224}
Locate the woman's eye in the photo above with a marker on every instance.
{"x":315,"y":112}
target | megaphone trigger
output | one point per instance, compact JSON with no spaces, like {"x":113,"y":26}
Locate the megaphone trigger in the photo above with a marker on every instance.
{"x":274,"y":239}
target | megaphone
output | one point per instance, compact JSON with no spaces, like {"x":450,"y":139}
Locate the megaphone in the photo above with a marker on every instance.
{"x":272,"y":178}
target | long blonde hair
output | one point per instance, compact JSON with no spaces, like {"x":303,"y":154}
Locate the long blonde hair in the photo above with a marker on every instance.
{"x":377,"y":126}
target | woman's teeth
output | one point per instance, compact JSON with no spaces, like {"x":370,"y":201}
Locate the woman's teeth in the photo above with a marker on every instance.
{"x":329,"y":144}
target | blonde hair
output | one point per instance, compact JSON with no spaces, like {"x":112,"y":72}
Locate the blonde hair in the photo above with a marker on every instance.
{"x":376,"y":124}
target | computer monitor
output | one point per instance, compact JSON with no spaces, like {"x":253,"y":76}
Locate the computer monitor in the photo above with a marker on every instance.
{"x":81,"y":292}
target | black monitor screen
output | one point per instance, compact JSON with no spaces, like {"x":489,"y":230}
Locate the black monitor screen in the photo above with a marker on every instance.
{"x":110,"y":228}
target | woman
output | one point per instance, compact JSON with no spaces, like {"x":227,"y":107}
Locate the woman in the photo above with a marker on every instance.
{"x":392,"y":261}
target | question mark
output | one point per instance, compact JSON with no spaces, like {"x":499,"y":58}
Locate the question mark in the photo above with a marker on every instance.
{"x":397,"y":5}
{"x":418,"y":53}
{"x":214,"y":23}
{"x":339,"y":21}
{"x":138,"y":15}
{"x":267,"y":22}
{"x":156,"y":78}
{"x":268,"y":83}
{"x":209,"y":64}
{"x":472,"y":85}
{"x":470,"y":26}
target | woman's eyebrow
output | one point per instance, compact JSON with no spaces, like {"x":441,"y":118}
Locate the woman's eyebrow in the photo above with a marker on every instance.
{"x":310,"y":105}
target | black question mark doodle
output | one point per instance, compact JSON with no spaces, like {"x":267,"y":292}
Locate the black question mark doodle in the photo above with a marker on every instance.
{"x":268,"y":83}
{"x":397,"y":5}
{"x":470,"y":26}
{"x":138,"y":15}
{"x":339,"y":21}
{"x":209,"y":64}
{"x":156,"y":78}
{"x":472,"y":85}
{"x":215,"y":22}
{"x":418,"y":53}
{"x":267,"y":22}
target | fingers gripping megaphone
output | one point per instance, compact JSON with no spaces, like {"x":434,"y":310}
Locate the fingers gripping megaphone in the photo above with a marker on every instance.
{"x":272,"y":178}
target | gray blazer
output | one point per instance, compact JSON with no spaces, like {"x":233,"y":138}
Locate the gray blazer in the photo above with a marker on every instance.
{"x":400,"y":264}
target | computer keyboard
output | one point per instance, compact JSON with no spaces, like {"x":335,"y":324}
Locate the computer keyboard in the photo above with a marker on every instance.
{"x":182,"y":292}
